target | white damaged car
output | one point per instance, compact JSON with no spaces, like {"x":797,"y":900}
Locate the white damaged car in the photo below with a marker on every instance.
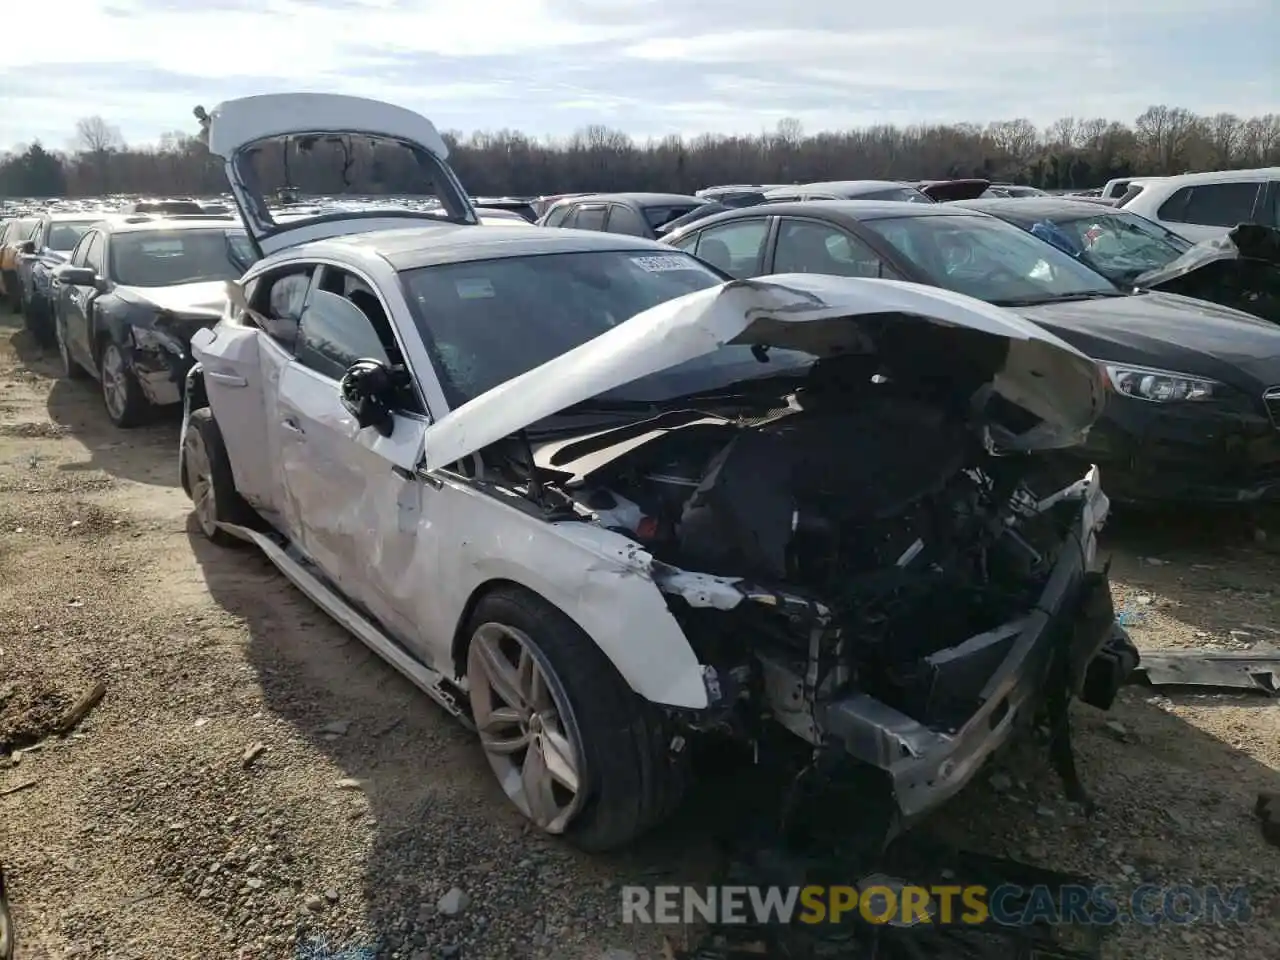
{"x":597,"y":501}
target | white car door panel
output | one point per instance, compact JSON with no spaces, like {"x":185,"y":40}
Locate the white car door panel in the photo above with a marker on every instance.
{"x":352,"y":501}
{"x":234,"y":380}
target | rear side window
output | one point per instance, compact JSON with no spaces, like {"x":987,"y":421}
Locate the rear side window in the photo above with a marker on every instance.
{"x":556,"y":217}
{"x":277,"y":305}
{"x":589,"y":218}
{"x":1212,"y":204}
{"x":626,"y":221}
{"x":1136,"y":189}
{"x":64,"y":236}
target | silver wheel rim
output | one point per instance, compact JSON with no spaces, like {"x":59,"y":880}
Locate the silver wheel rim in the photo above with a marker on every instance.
{"x":527,"y":728}
{"x":200,"y":478}
{"x":115,"y":390}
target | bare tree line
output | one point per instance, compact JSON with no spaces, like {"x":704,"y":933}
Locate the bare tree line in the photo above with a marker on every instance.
{"x":1070,"y":153}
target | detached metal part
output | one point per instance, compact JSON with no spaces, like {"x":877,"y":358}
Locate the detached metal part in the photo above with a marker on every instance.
{"x":1253,"y":671}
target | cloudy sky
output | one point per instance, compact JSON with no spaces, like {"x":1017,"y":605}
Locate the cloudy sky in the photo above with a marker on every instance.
{"x":649,"y":67}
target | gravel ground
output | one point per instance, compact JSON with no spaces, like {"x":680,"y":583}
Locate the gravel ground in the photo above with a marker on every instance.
{"x":256,"y":784}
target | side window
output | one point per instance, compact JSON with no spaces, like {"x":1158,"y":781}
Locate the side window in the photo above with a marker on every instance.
{"x":557,"y":215}
{"x":334,"y":333}
{"x":81,"y":251}
{"x":1212,"y":204}
{"x":589,"y":217}
{"x":624,"y":220}
{"x":277,"y":302}
{"x":808,"y":247}
{"x":95,"y":255}
{"x":686,"y":243}
{"x":736,"y":247}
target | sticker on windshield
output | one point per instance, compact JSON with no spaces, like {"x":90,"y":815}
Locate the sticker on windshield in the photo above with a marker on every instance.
{"x":474,"y":288}
{"x":663,"y":264}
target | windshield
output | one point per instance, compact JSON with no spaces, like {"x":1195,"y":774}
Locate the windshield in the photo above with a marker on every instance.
{"x":989,"y":259}
{"x":1120,"y":245}
{"x":163,"y":258}
{"x":64,"y":236}
{"x":485,"y":322}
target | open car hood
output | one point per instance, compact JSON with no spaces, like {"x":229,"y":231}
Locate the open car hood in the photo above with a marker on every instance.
{"x":1240,"y":270}
{"x":236,"y":129}
{"x":824,"y":316}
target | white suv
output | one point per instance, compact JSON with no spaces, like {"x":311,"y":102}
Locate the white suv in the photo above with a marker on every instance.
{"x":1202,"y":206}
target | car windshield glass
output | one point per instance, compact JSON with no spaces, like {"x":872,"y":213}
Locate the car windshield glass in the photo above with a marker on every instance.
{"x":1120,"y":245}
{"x":487,"y":321}
{"x":64,"y":236}
{"x":989,"y":259}
{"x":162,"y":258}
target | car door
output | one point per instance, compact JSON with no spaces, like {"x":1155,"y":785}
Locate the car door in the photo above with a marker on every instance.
{"x":818,"y":246}
{"x":242,"y":365}
{"x":352,"y":497}
{"x":738,"y":247}
{"x":75,"y":301}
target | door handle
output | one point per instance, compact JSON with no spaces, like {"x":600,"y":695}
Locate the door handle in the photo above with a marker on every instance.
{"x":226,"y":379}
{"x":292,"y":426}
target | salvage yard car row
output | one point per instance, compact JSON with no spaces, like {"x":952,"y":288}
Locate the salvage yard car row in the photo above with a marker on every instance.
{"x":813,"y":476}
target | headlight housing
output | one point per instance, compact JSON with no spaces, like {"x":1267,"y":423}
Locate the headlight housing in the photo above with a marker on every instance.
{"x":1159,"y":386}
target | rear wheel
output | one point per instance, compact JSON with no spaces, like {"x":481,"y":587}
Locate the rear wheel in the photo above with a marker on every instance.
{"x":122,"y":396}
{"x":573,"y":747}
{"x":207,"y":477}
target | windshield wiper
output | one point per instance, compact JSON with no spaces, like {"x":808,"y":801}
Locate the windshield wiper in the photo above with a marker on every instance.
{"x":1036,"y":301}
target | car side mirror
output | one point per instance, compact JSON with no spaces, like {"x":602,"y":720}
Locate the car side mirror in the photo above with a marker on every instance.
{"x":28,"y":246}
{"x":368,"y":392}
{"x":77,"y":276}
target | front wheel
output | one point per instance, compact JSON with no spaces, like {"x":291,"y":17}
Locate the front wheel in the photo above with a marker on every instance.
{"x":573,"y":747}
{"x":207,"y":477}
{"x":121,"y":394}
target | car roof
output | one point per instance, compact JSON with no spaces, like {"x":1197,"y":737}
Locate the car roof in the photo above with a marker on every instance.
{"x":130,"y":224}
{"x":1036,"y":208}
{"x":427,"y":246}
{"x":1215,"y":176}
{"x":836,"y":210}
{"x":641,"y":198}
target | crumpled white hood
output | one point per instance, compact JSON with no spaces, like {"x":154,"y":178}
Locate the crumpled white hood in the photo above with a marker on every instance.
{"x":810,"y":312}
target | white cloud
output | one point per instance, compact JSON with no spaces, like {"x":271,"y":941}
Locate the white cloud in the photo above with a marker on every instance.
{"x":648,"y":66}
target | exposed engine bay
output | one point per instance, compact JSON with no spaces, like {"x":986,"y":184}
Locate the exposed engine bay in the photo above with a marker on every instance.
{"x":901,"y":582}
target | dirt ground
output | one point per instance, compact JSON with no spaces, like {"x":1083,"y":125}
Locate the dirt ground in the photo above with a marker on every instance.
{"x":147,"y":833}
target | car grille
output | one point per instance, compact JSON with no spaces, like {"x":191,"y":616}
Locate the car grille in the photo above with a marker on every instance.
{"x":1271,"y":400}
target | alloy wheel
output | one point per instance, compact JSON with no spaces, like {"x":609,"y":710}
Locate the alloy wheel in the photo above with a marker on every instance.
{"x":115,"y":386}
{"x":527,"y":727}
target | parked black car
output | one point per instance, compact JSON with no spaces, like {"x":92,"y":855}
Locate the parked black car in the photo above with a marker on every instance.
{"x":55,"y":236}
{"x":131,"y":296}
{"x":1241,"y":270}
{"x":632,"y":214}
{"x":1194,"y":396}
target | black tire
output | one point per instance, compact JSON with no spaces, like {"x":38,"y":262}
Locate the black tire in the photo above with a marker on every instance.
{"x":634,"y":777}
{"x":39,"y":323}
{"x":224,"y":504}
{"x":71,"y":369}
{"x":131,"y":407}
